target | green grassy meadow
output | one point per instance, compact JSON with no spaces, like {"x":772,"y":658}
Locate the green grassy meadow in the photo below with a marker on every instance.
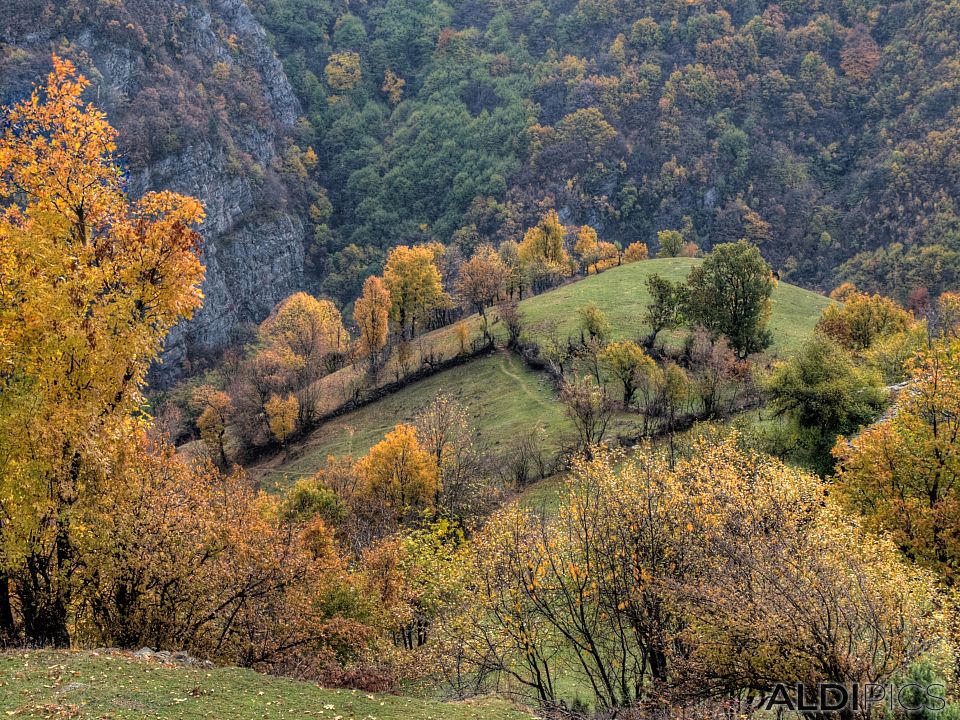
{"x":622,"y":295}
{"x":107,"y":684}
{"x":504,"y":397}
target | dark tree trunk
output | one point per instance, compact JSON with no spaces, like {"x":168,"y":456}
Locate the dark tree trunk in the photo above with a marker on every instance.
{"x":8,"y":628}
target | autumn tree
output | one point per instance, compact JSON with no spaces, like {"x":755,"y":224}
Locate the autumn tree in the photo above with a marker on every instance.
{"x":282,"y":416}
{"x":186,"y":557}
{"x":587,"y":248}
{"x":215,"y":408}
{"x":512,"y":317}
{"x":371,"y":312}
{"x":483,"y":279}
{"x":670,"y":243}
{"x":91,"y":284}
{"x":627,"y":362}
{"x":860,"y":54}
{"x":862,"y":319}
{"x":947,"y":320}
{"x":413,"y":280}
{"x":343,"y":71}
{"x":608,"y":255}
{"x":635,"y":252}
{"x":665,"y":309}
{"x":903,"y":473}
{"x":393,"y":86}
{"x":309,"y":329}
{"x":729,"y":294}
{"x":400,"y":473}
{"x":302,"y":340}
{"x":516,"y":281}
{"x":543,"y":252}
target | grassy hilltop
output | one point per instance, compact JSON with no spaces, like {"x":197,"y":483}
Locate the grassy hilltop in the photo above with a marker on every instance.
{"x":501,"y":390}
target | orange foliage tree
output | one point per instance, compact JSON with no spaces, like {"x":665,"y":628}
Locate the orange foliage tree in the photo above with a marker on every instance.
{"x":372,"y":315}
{"x":483,"y":279}
{"x":90,"y":283}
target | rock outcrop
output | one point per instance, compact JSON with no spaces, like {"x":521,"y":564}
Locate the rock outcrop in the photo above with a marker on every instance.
{"x":204,"y":108}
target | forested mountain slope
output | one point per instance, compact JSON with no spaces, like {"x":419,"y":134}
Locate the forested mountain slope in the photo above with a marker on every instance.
{"x":823,"y":131}
{"x":818,"y":129}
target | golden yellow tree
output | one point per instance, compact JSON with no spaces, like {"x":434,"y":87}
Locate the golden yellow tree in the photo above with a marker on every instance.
{"x":372,"y":315}
{"x":343,"y":71}
{"x":309,"y":328}
{"x":282,"y":415}
{"x":90,"y":283}
{"x":586,"y":248}
{"x":542,"y":252}
{"x":393,"y":86}
{"x":400,"y":473}
{"x":415,"y":286}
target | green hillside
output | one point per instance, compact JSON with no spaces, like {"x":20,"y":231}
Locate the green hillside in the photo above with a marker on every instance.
{"x":501,"y":391}
{"x":621,"y":293}
{"x":503,"y":396}
{"x":46,"y":684}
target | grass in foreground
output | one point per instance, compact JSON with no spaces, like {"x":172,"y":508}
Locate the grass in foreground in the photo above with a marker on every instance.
{"x":45,"y":684}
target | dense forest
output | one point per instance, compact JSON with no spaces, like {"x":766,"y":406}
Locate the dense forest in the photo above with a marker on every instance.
{"x":824,"y":132}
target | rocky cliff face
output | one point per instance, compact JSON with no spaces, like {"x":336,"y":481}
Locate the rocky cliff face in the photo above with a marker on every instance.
{"x":203,"y":108}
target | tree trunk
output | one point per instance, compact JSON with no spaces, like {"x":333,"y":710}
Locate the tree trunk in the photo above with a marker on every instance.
{"x":7,"y":627}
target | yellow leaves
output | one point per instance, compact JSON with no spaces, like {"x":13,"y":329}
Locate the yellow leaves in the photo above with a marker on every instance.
{"x":400,"y":471}
{"x":343,"y":71}
{"x":305,"y":327}
{"x":393,"y":86}
{"x":543,"y":248}
{"x":282,"y":414}
{"x":371,"y":312}
{"x":97,"y":283}
{"x":414,"y":283}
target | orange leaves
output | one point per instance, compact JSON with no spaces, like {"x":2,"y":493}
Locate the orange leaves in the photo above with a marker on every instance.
{"x":483,"y":279}
{"x":91,"y":284}
{"x":371,"y":312}
{"x":400,"y":472}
